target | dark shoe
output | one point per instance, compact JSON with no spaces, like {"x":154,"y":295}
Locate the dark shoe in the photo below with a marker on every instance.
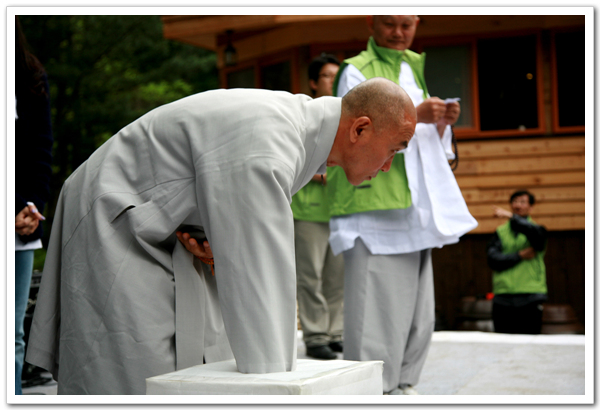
{"x":321,"y":352}
{"x":336,"y":346}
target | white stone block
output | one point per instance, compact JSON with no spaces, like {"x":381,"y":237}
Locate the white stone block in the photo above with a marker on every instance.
{"x":310,"y":377}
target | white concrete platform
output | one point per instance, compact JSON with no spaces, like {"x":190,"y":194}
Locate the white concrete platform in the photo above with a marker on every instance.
{"x":311,"y":377}
{"x":477,"y":363}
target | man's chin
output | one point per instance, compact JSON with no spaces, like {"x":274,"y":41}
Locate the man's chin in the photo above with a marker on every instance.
{"x":356,"y":183}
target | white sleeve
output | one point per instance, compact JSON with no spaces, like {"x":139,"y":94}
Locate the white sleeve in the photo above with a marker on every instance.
{"x":349,"y":79}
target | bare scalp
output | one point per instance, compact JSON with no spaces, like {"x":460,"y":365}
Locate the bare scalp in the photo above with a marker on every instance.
{"x":382,"y":100}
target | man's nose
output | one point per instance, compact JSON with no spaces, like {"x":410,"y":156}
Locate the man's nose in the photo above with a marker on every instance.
{"x":387,"y":164}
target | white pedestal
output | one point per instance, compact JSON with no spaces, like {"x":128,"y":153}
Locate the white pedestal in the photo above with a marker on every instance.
{"x":310,"y":377}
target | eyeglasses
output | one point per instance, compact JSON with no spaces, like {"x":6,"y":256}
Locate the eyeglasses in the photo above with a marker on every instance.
{"x":327,"y":75}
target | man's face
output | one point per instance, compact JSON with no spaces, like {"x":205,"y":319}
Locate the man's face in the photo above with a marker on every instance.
{"x":324,"y":85}
{"x":374,"y":152}
{"x":396,"y":32}
{"x":520,"y":205}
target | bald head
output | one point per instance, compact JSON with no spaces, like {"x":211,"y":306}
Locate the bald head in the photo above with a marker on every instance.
{"x":382,"y":100}
{"x":378,"y":120}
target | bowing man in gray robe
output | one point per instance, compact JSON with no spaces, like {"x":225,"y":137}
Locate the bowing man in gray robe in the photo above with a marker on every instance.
{"x":122,"y":299}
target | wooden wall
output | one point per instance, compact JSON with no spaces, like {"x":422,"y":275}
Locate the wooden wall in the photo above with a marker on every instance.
{"x":489,"y":171}
{"x":552,"y":168}
{"x":461,"y":270}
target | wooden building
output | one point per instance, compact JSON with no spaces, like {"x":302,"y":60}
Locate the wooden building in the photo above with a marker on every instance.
{"x":522,"y":87}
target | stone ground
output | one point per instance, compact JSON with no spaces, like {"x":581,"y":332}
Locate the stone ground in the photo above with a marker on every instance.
{"x":477,"y":363}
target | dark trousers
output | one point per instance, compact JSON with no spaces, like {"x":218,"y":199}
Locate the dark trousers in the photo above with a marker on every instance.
{"x":526,"y":319}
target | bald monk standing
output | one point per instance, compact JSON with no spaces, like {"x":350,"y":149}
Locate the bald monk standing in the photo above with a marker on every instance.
{"x":121,"y":298}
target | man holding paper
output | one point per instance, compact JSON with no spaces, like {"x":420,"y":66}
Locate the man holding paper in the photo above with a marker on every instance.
{"x":387,"y":226}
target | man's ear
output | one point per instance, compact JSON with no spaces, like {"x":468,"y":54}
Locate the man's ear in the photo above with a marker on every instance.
{"x":358,"y":128}
{"x":312,"y":84}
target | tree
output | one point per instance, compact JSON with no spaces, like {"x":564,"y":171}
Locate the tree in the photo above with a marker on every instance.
{"x":104,"y":72}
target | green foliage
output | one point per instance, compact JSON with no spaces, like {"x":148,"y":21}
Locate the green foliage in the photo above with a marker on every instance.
{"x":39,"y":257}
{"x":106,"y":71}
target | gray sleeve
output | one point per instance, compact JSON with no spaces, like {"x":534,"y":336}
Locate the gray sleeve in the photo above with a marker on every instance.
{"x":249,"y":225}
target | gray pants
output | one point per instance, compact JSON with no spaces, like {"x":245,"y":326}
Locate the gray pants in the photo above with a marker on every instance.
{"x":320,"y":281}
{"x":389,"y":311}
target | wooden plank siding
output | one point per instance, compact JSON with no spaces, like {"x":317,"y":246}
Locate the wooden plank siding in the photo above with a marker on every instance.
{"x":552,"y":168}
{"x":461,"y":270}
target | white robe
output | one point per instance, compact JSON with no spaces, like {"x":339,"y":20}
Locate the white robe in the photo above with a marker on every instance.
{"x":122,"y":300}
{"x":438,"y":216}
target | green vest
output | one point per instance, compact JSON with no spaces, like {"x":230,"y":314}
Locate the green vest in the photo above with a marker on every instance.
{"x":310,"y":203}
{"x":388,"y":190}
{"x":527,"y":276}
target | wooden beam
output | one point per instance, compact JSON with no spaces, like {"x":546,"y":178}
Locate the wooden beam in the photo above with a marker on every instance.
{"x":525,"y":180}
{"x":521,"y":147}
{"x":290,"y":36}
{"x":521,"y":165}
{"x":540,"y":209}
{"x":435,"y":26}
{"x":494,"y":196}
{"x":552,"y":223}
{"x":185,"y":26}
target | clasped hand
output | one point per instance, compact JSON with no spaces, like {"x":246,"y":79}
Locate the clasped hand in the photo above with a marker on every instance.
{"x":199,"y":250}
{"x":435,"y":111}
{"x":28,"y":220}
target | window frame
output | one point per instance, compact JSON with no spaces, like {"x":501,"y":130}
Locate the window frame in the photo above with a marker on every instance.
{"x":341,"y":48}
{"x":291,"y":55}
{"x":475,"y":131}
{"x":556,"y":128}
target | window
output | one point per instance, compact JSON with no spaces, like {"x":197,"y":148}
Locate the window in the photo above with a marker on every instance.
{"x":277,"y":76}
{"x":241,"y":79}
{"x":508,"y":83}
{"x":569,"y":81}
{"x":274,"y":72}
{"x":498,"y":79}
{"x":447,"y":72}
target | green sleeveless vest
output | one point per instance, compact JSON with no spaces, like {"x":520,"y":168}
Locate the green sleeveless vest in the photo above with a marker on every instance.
{"x":528,"y":276}
{"x":387,"y":190}
{"x":310,"y":203}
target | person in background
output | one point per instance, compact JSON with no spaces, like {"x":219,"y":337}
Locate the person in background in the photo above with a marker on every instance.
{"x":516,"y":255}
{"x":33,"y":155}
{"x":386,"y":227}
{"x":319,"y":273}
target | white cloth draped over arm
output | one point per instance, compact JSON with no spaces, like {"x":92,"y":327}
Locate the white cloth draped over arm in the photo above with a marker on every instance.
{"x":250,"y":229}
{"x":446,"y":141}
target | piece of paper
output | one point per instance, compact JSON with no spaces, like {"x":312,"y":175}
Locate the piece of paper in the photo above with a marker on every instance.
{"x":451,"y":100}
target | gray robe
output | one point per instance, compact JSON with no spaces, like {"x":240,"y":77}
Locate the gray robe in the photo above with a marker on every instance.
{"x":122,"y":300}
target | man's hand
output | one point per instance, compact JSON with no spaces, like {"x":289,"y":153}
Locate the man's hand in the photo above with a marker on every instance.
{"x":449,"y":118}
{"x":501,"y":213}
{"x":198,"y":250}
{"x":527,"y":253}
{"x":451,"y":115}
{"x":431,"y":110}
{"x":28,"y":220}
